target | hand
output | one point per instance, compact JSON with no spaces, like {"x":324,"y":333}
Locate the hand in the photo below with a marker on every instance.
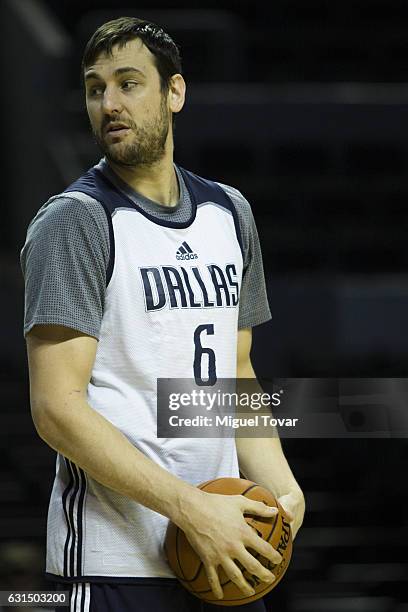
{"x":217,"y":530}
{"x":293,"y":504}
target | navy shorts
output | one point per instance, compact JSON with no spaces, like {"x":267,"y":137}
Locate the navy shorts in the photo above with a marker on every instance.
{"x":150,"y":594}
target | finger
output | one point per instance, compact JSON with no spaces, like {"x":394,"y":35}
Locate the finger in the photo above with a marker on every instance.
{"x":214,"y":581}
{"x":255,"y":568}
{"x":262,"y":547}
{"x":250,"y":506}
{"x":235,"y":575}
{"x":287,"y":512}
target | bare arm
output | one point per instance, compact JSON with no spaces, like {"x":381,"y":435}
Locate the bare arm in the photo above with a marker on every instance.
{"x":60,"y":365}
{"x":262,"y":459}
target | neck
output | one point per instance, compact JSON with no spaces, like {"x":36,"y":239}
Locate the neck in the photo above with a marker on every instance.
{"x":158,"y":181}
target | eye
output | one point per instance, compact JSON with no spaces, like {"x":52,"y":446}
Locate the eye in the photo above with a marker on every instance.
{"x":127,"y":85}
{"x":96,"y":90}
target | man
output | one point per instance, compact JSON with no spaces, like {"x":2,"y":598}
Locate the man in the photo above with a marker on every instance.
{"x":132,"y":274}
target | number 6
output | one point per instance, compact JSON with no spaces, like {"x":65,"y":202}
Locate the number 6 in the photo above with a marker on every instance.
{"x":199,"y":352}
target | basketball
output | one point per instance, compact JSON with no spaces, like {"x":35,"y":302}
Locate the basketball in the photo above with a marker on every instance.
{"x":189,"y":569}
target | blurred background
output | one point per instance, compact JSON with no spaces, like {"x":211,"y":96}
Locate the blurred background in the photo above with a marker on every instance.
{"x":303,"y":106}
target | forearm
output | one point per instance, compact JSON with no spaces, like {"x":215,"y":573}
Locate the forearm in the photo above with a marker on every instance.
{"x":88,"y":439}
{"x":262,"y":461}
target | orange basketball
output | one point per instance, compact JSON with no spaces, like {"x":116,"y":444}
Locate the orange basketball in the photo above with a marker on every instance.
{"x":189,"y":569}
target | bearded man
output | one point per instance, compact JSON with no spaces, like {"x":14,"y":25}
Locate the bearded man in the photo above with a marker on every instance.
{"x":142,"y":270}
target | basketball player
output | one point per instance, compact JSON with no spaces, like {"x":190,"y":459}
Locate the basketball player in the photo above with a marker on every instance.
{"x":131,"y":274}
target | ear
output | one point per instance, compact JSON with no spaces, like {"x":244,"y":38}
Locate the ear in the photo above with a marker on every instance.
{"x":177,"y":93}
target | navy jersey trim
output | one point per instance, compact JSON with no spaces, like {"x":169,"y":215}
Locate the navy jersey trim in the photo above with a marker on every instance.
{"x":111,"y":262}
{"x":131,"y":204}
{"x":68,"y":523}
{"x":110,"y":579}
{"x":73,"y":548}
{"x":71,"y":564}
{"x":202,"y":190}
{"x":80,"y":520}
{"x":88,"y":185}
{"x":98,"y":186}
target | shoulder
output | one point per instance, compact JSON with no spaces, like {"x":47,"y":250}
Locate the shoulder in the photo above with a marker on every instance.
{"x":239,"y":202}
{"x":238,"y":199}
{"x":242,"y":207}
{"x":66,"y":211}
{"x":68,"y":223}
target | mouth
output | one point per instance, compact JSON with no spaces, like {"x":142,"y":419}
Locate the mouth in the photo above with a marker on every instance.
{"x":116,"y":129}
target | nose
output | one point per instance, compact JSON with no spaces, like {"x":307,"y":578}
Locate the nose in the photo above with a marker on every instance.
{"x":111,"y":101}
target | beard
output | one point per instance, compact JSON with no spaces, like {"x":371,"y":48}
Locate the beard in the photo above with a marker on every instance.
{"x":144,"y":146}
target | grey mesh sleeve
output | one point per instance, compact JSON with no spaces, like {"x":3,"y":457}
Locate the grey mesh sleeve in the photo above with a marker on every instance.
{"x":253,"y":303}
{"x":64,"y":262}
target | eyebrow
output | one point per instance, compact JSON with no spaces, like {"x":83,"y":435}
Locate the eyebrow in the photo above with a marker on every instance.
{"x":92,"y":74}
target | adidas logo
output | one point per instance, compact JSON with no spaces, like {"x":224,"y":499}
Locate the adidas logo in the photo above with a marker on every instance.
{"x":185,"y":252}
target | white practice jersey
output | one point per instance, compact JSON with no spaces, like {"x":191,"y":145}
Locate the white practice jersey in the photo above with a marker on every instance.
{"x":169,"y":285}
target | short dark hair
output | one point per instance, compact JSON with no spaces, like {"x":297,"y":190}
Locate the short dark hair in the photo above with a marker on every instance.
{"x":120,"y":31}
